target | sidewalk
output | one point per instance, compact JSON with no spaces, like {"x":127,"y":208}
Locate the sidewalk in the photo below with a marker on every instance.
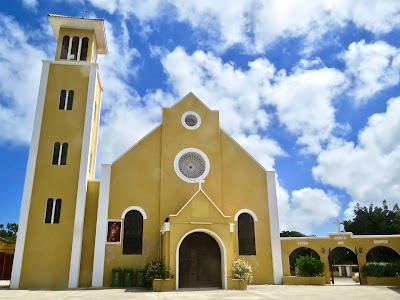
{"x":254,"y":292}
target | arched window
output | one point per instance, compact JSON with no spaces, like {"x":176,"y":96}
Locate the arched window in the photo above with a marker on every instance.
{"x":247,"y":241}
{"x":66,"y":100}
{"x":63,"y":95}
{"x":60,"y":154}
{"x":56,"y":153}
{"x":70,"y":99}
{"x":53,"y":211}
{"x":74,"y":49}
{"x":84,"y":49}
{"x":64,"y":47}
{"x":133,"y":233}
{"x":64,"y":149}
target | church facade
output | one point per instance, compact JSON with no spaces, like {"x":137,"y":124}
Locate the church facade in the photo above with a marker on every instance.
{"x":186,"y":192}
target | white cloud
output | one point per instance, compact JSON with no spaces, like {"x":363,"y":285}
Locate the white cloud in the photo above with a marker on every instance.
{"x":20,"y":65}
{"x":30,"y":3}
{"x":256,"y":24}
{"x":126,"y":116}
{"x":373,"y":67}
{"x":293,"y":97}
{"x":369,"y":171}
{"x":305,"y":209}
{"x":239,"y":94}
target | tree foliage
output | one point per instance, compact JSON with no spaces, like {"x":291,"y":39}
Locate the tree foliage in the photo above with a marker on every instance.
{"x":10,"y":232}
{"x":291,"y":234}
{"x":374,"y":220}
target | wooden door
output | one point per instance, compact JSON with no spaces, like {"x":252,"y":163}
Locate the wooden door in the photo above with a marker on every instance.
{"x":199,"y":262}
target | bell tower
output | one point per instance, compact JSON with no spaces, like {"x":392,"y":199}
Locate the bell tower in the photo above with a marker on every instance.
{"x":61,"y":159}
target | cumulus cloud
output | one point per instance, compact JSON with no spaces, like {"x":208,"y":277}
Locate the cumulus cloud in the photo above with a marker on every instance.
{"x":372,"y":67}
{"x":30,"y":3}
{"x":305,"y":209}
{"x":295,"y":94}
{"x":368,"y":170}
{"x":255,"y":24}
{"x":20,"y":65}
{"x":126,"y":115}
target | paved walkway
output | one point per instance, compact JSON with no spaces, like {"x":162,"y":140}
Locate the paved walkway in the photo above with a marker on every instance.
{"x":254,"y":292}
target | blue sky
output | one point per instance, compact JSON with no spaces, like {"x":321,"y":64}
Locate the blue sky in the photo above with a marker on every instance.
{"x":309,"y":88}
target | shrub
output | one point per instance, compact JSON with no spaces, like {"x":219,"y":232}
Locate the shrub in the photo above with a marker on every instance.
{"x":242,"y":270}
{"x":309,"y":266}
{"x":157,"y":270}
{"x":381,"y":269}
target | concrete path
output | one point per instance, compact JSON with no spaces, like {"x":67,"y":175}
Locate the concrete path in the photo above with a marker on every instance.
{"x":254,"y":292}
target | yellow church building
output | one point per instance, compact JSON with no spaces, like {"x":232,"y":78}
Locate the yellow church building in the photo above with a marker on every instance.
{"x":186,"y":192}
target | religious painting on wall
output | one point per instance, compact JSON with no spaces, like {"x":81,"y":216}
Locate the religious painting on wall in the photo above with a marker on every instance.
{"x":114,"y":232}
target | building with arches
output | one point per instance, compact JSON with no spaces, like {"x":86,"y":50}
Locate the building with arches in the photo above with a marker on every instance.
{"x":186,"y":192}
{"x":360,"y":250}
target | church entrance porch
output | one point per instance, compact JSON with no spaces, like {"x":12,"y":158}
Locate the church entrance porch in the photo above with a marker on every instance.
{"x":199,"y":262}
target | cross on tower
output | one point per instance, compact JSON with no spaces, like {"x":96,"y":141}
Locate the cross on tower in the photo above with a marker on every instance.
{"x":338,"y":224}
{"x":83,"y":11}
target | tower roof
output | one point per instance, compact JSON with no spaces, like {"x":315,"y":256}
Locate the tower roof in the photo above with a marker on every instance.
{"x":58,"y":21}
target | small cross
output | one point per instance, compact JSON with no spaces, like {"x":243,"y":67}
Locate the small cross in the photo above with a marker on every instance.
{"x":338,"y":224}
{"x":83,"y":11}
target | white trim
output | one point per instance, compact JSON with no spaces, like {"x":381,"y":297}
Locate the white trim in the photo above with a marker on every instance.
{"x":276,"y":249}
{"x":30,"y":173}
{"x":101,"y":227}
{"x":69,"y":47}
{"x":165,"y":228}
{"x":53,"y":212}
{"x":199,"y":152}
{"x":247,"y":211}
{"x":196,"y":115}
{"x":224,"y":277}
{"x":138,"y":208}
{"x":186,"y":204}
{"x":78,"y":55}
{"x":75,"y":263}
{"x":231,"y":227}
{"x":70,"y":62}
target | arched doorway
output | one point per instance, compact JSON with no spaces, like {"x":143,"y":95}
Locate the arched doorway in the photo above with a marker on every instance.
{"x":343,"y":264}
{"x":382,"y":254}
{"x":199,"y":262}
{"x":302,"y":251}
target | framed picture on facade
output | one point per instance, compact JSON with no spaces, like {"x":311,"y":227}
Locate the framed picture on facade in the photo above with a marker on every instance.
{"x":114,"y":232}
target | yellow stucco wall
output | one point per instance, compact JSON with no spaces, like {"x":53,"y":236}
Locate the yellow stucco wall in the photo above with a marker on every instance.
{"x":135,"y":181}
{"x":89,"y":234}
{"x":244,"y":185}
{"x":144,"y":176}
{"x":47,"y":249}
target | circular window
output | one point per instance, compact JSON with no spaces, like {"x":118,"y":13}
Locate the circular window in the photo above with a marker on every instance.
{"x":191,"y":120}
{"x":191,"y":165}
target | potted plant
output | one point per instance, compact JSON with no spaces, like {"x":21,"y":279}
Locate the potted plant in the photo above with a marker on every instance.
{"x":241,"y":274}
{"x":156,"y":273}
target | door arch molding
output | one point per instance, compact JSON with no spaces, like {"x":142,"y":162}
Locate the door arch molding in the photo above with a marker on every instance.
{"x":221,"y":247}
